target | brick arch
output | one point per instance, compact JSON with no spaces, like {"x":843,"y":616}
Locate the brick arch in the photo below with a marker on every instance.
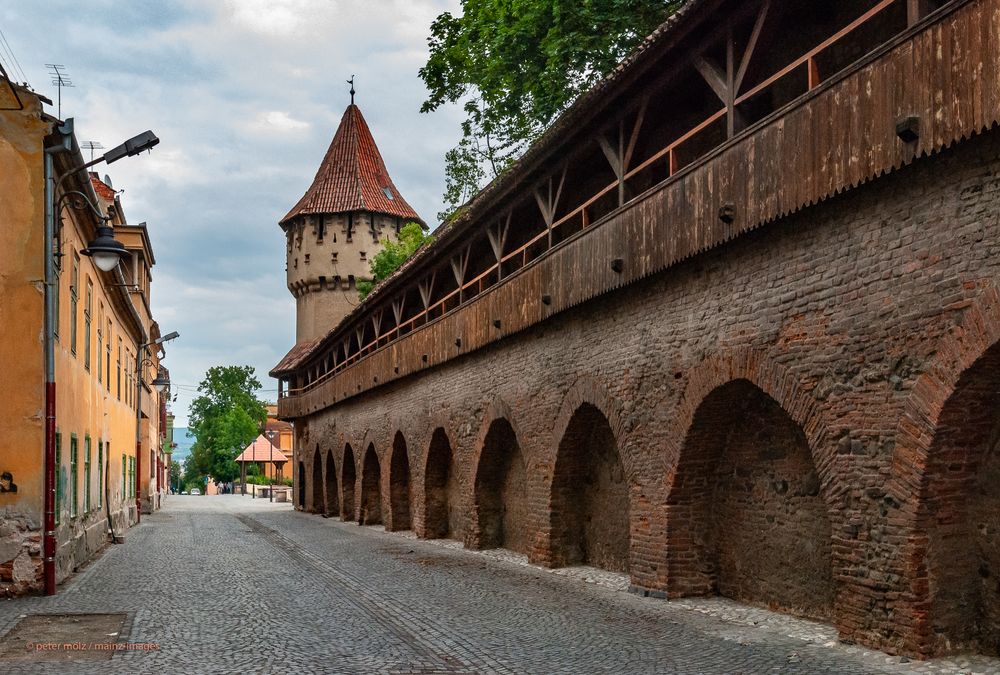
{"x":770,"y":377}
{"x":964,"y":361}
{"x":490,"y":504}
{"x":592,"y":391}
{"x":591,"y":485}
{"x":316,"y":504}
{"x":348,"y":479}
{"x":440,"y":481}
{"x":370,"y":507}
{"x":330,"y":480}
{"x":399,"y":515}
{"x":955,"y":354}
{"x":749,"y":509}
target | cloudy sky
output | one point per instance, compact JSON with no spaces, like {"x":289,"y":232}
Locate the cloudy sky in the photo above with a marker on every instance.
{"x":245,"y":96}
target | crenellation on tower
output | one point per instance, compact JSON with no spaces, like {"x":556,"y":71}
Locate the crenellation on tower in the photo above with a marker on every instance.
{"x":341,"y":222}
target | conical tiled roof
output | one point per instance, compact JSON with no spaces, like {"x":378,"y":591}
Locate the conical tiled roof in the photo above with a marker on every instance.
{"x":353,"y":176}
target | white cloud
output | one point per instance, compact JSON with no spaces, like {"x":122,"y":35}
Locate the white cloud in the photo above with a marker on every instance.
{"x":245,"y":96}
{"x":278,"y":121}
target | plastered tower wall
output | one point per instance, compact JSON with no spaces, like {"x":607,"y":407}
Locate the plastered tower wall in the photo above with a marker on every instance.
{"x":326,"y":256}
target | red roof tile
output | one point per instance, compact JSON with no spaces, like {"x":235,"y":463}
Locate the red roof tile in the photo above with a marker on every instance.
{"x":353,"y":176}
{"x":103,"y":190}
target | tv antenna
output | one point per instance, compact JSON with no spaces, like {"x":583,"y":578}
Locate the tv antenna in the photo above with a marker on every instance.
{"x":92,"y":145}
{"x":61,"y":79}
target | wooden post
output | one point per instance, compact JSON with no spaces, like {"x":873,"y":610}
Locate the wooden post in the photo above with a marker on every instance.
{"x":917,"y":10}
{"x":814,"y":78}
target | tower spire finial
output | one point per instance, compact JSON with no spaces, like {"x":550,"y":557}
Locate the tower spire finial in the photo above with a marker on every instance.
{"x":351,"y":82}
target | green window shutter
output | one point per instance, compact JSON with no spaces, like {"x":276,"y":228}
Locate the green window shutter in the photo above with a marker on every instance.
{"x":86,"y":474}
{"x":59,"y":481}
{"x":100,"y":473}
{"x":73,"y":483}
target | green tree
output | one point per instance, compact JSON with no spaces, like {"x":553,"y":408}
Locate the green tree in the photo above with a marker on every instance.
{"x":175,"y":473}
{"x":394,"y":254}
{"x":514,"y":65}
{"x":224,"y":419}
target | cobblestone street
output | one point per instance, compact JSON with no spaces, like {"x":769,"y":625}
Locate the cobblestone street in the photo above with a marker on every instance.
{"x":230,"y":584}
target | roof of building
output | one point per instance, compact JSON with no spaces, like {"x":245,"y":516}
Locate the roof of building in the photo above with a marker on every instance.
{"x":103,"y":190}
{"x":352,"y":176}
{"x":262,"y":450}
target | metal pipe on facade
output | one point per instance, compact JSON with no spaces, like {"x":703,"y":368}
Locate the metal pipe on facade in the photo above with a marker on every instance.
{"x":51,"y":289}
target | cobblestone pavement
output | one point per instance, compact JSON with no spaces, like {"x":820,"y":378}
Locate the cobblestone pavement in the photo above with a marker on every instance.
{"x":229,"y":584}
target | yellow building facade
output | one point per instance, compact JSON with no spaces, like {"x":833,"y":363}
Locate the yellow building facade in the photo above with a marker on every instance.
{"x":102,"y":323}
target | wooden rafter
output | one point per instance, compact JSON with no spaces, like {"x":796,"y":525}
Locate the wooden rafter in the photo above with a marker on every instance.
{"x":498,"y":239}
{"x":758,"y":26}
{"x":426,"y":287}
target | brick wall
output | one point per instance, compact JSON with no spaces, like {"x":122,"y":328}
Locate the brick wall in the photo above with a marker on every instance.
{"x":779,"y":408}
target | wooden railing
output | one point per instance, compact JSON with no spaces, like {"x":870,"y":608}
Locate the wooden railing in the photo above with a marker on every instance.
{"x":524,"y":254}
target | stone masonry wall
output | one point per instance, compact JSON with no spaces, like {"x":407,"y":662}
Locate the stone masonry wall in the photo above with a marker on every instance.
{"x":855,"y":318}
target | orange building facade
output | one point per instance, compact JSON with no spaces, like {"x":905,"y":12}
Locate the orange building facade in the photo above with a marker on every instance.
{"x":102,"y":322}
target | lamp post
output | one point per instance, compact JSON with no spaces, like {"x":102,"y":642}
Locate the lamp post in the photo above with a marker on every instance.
{"x":161,"y":383}
{"x":133,"y":146}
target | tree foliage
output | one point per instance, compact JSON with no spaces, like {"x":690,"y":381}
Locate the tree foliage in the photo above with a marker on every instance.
{"x":393,"y":254}
{"x":516,"y":64}
{"x":224,"y":419}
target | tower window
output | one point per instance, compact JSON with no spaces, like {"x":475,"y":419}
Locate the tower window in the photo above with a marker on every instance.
{"x":306,"y":261}
{"x":296,"y":263}
{"x":320,"y":228}
{"x":363,"y":255}
{"x":388,"y":193}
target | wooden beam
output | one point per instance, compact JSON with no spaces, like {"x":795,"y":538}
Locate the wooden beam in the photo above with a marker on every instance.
{"x":397,"y":309}
{"x":758,"y":26}
{"x":640,"y":116}
{"x":917,"y":10}
{"x":498,"y":239}
{"x":713,"y":75}
{"x":377,"y":323}
{"x":426,"y":287}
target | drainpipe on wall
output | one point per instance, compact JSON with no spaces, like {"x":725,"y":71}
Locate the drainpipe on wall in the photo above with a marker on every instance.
{"x":51,"y":292}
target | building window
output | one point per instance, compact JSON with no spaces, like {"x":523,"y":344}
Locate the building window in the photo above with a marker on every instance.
{"x":320,"y":228}
{"x":87,"y":323}
{"x":59,"y":481}
{"x":100,"y":342}
{"x":124,"y":479}
{"x":72,"y":476}
{"x":74,"y":292}
{"x":100,"y":473}
{"x":119,"y":368}
{"x":86,"y":474}
{"x":107,"y":361}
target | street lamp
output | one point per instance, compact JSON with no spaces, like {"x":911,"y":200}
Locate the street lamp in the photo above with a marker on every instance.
{"x":161,"y":382}
{"x":107,"y":251}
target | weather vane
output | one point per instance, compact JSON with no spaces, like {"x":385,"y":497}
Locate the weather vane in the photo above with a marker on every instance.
{"x":351,"y":82}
